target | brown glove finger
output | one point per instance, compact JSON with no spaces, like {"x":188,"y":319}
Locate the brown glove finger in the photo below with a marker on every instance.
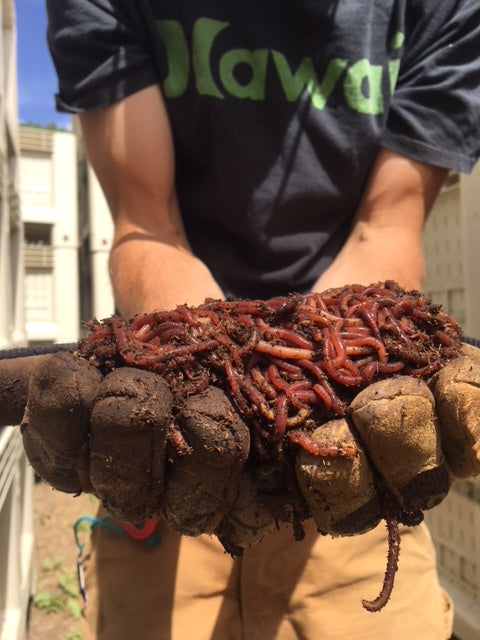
{"x":396,"y":421}
{"x":210,"y":448}
{"x":340,"y":491}
{"x":129,"y":426}
{"x":56,"y":422}
{"x":456,"y":389}
{"x":248,"y":521}
{"x":15,"y":374}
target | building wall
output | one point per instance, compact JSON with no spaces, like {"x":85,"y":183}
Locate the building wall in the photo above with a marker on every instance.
{"x":101,"y":227}
{"x":451,"y":244}
{"x":11,"y":303}
{"x":49,"y":206}
{"x":16,"y":478}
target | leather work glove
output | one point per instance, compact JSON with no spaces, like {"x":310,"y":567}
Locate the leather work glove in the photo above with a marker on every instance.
{"x":413,"y":438}
{"x":124,"y":438}
{"x":114,"y":436}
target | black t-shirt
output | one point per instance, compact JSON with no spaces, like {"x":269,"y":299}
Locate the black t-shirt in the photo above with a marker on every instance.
{"x":278,"y":108}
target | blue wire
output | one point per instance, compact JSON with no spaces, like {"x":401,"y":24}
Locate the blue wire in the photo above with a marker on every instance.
{"x":103,"y":522}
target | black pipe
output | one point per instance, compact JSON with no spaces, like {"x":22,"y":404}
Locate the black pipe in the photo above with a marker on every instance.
{"x":473,"y":341}
{"x":22,"y":352}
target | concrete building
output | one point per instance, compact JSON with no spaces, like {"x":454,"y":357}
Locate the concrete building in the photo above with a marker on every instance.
{"x":68,"y":233}
{"x":49,"y":206}
{"x":55,"y":235}
{"x":53,"y":275}
{"x":16,"y":521}
{"x":451,"y":245}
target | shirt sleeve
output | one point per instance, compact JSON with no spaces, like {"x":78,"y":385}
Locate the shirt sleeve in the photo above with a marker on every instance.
{"x":435,"y":111}
{"x":99,"y":50}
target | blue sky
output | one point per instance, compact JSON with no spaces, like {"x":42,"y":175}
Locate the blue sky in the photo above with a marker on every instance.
{"x":36,"y":77}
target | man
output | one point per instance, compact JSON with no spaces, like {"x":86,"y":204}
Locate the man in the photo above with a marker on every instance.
{"x":255,"y":150}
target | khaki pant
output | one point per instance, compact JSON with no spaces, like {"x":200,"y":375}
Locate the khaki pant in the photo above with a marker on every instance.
{"x":189,"y":589}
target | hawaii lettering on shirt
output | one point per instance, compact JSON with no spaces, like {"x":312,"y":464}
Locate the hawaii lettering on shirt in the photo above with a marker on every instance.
{"x":360,"y":80}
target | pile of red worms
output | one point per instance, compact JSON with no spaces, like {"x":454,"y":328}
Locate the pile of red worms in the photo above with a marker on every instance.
{"x":288,"y":363}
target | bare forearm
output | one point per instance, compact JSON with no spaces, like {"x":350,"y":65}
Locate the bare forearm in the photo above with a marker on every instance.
{"x":151,"y":263}
{"x":129,"y":145}
{"x":372,"y":255}
{"x":385,"y":238}
{"x":148,"y":274}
